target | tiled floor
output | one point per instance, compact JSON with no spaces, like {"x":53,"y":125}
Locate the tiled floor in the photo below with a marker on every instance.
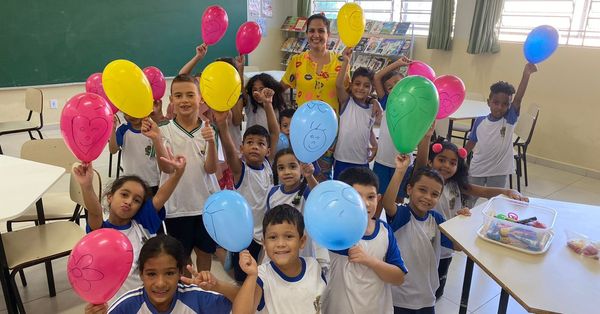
{"x":544,"y":183}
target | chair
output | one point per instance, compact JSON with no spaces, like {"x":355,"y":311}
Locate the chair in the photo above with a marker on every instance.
{"x":523,"y":134}
{"x":463,"y":128}
{"x":34,"y":102}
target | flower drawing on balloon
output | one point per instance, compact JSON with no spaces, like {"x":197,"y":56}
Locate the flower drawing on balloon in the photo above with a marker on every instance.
{"x":82,"y":276}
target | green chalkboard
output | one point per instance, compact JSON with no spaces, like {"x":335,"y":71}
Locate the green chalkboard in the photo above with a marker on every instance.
{"x":63,"y":41}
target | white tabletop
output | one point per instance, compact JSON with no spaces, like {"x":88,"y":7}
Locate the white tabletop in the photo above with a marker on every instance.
{"x":470,"y":109}
{"x":22,"y":183}
{"x":558,"y":281}
{"x":277,"y":75}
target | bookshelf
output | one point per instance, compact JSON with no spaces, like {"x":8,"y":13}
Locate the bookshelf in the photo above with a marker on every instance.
{"x":382,"y":42}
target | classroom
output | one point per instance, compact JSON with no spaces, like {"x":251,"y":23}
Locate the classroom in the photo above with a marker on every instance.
{"x":190,"y":156}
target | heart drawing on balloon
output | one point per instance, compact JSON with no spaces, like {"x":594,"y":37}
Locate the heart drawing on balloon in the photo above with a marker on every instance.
{"x":87,"y":132}
{"x":449,"y":103}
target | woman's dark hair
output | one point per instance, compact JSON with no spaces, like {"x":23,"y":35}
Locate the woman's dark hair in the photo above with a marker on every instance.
{"x":461,"y":177}
{"x":162,"y":244}
{"x":318,"y":16}
{"x":426,"y":172}
{"x":284,"y":213}
{"x":118,"y":183}
{"x":303,"y":183}
{"x":269,"y":82}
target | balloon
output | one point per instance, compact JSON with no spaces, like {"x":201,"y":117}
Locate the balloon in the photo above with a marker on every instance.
{"x":422,"y":69}
{"x":99,"y":264}
{"x":220,"y":86}
{"x":312,"y":130}
{"x":214,"y":24}
{"x":540,"y":44}
{"x":228,"y":219}
{"x":128,"y":88}
{"x":247,"y":37}
{"x":94,"y":85}
{"x":351,"y":24}
{"x":335,"y":215}
{"x":86,"y":123}
{"x":451,"y":91}
{"x":283,"y":142}
{"x":411,"y":108}
{"x":157,"y":82}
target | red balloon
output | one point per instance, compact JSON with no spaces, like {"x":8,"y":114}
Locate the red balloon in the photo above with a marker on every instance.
{"x":214,"y":24}
{"x":157,"y":82}
{"x":99,"y":264}
{"x":248,"y":37}
{"x":94,"y":85}
{"x":86,"y":123}
{"x":451,"y":90}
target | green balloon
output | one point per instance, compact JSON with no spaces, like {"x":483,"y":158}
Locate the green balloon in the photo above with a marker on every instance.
{"x":411,"y":109}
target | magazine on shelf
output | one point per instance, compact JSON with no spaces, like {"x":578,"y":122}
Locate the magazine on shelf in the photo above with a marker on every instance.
{"x":289,"y":22}
{"x":288,"y":44}
{"x":331,"y":43}
{"x":362,"y":44}
{"x":373,"y":44}
{"x":340,"y":46}
{"x":388,"y":28}
{"x":300,"y":24}
{"x":333,"y":26}
{"x":286,"y":56}
{"x":299,"y":45}
{"x":360,"y":61}
{"x":393,"y":47}
{"x":405,"y":47}
{"x":402,"y":28}
{"x":368,"y":26}
{"x":377,"y":27}
{"x":377,"y":63}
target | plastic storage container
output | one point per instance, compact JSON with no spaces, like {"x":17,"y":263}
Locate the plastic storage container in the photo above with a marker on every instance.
{"x":517,"y":236}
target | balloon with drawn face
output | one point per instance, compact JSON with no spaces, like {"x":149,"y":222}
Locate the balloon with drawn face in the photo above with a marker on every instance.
{"x":86,"y":123}
{"x":451,"y":91}
{"x":351,"y":24}
{"x":335,"y":215}
{"x":411,"y":108}
{"x":312,"y":130}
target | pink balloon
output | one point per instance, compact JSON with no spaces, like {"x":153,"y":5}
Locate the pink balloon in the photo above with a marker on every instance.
{"x":451,"y":91}
{"x":422,"y":69}
{"x":86,"y":123}
{"x":99,"y":264}
{"x":214,"y":24}
{"x":248,"y":37}
{"x":157,"y":82}
{"x":94,"y":85}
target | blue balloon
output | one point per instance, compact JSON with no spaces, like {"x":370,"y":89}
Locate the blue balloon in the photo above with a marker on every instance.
{"x":541,"y":42}
{"x":313,"y":130}
{"x":283,"y":142}
{"x":228,"y":219}
{"x":335,"y":215}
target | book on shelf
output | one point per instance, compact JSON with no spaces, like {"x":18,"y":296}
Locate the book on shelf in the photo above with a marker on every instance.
{"x":333,"y":26}
{"x":340,"y":46}
{"x":388,"y":28}
{"x":405,"y":47}
{"x":288,"y":43}
{"x":362,"y":44}
{"x":376,"y":28}
{"x":288,"y":23}
{"x":360,"y":61}
{"x":331,"y":43}
{"x":299,"y":45}
{"x":300,"y":24}
{"x":391,"y":46}
{"x":285,"y":58}
{"x":373,"y":44}
{"x":368,"y":26}
{"x":377,"y":63}
{"x":402,"y":28}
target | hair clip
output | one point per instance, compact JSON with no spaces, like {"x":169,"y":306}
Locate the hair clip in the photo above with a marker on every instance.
{"x":462,"y":153}
{"x":437,"y":148}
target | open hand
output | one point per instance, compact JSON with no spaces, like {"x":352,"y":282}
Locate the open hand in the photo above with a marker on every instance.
{"x":178,"y":162}
{"x":264,"y":96}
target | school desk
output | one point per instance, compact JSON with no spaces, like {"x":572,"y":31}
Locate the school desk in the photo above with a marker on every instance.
{"x":558,"y":281}
{"x":469,"y":110}
{"x":22,"y":183}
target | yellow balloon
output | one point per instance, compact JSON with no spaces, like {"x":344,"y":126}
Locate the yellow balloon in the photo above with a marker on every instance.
{"x":220,"y":85}
{"x":128,"y":88}
{"x":351,"y":24}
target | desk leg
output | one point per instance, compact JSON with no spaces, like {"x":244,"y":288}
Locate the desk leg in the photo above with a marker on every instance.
{"x":464,"y":298}
{"x":503,"y":305}
{"x":450,"y":126}
{"x":9,"y":296}
{"x":49,"y":274}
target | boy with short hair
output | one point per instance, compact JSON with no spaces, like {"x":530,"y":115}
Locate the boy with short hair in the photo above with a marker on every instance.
{"x":491,"y":136}
{"x":288,"y":283}
{"x":188,"y":134}
{"x":252,"y":174}
{"x":360,"y":277}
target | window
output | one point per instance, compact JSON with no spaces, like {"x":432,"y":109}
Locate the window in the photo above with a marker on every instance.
{"x":414,"y":11}
{"x":578,"y":21}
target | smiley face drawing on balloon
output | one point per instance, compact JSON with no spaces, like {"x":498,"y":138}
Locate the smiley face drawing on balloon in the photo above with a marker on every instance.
{"x":316,"y":138}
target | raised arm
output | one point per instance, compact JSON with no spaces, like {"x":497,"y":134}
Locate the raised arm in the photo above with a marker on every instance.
{"x":248,"y":297}
{"x":84,"y":175}
{"x":386,"y":272}
{"x":166,"y":189}
{"x":308,"y":171}
{"x":265,"y":96}
{"x":151,"y":130}
{"x":190,"y":65}
{"x":113,"y":147}
{"x":389,"y":198}
{"x":379,"y":89}
{"x":342,"y":94}
{"x":423,"y":148}
{"x":208,"y":134}
{"x":529,"y":69}
{"x":231,"y":152}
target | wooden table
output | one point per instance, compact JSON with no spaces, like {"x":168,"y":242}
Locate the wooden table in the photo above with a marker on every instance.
{"x":469,"y":110}
{"x":22,"y":183}
{"x":558,"y":281}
